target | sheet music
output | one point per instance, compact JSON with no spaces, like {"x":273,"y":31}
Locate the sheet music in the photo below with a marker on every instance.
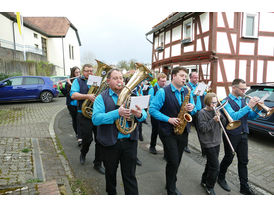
{"x":141,"y":101}
{"x":94,"y":80}
{"x":145,"y":87}
{"x":200,"y":89}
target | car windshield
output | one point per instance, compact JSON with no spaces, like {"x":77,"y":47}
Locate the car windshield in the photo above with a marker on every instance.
{"x":261,"y":92}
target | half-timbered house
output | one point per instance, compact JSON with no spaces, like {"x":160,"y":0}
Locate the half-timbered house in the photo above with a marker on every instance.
{"x":220,"y":46}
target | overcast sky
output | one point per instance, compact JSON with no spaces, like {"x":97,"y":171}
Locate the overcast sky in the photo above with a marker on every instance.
{"x":114,"y":30}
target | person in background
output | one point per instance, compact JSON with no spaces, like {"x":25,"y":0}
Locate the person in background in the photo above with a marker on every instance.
{"x":199,"y":103}
{"x":161,"y":81}
{"x":71,"y":104}
{"x":79,"y":91}
{"x":210,"y":137}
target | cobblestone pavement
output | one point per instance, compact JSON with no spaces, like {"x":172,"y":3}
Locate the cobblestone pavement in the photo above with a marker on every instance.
{"x":28,"y":153}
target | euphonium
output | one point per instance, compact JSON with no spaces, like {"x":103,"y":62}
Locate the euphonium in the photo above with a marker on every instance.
{"x":266,"y":111}
{"x":231,"y":123}
{"x":142,"y":72}
{"x":102,"y":70}
{"x":183,"y":115}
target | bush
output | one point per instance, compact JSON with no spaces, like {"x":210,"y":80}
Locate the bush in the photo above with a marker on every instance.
{"x":4,"y":76}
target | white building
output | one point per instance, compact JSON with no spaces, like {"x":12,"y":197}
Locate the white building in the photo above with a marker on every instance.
{"x":220,"y":46}
{"x":55,"y":37}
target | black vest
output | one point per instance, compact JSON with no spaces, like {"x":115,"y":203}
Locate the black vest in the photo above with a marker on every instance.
{"x":107,"y":134}
{"x":155,"y":89}
{"x":171,"y":108}
{"x":83,"y":90}
{"x":244,"y":125}
{"x":195,"y":97}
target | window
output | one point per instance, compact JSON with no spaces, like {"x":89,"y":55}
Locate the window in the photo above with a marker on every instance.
{"x":44,"y":46}
{"x":187,"y":31}
{"x":35,"y":35}
{"x":36,"y":46}
{"x":250,"y":25}
{"x":33,"y":80}
{"x":14,"y":81}
{"x":71,"y":52}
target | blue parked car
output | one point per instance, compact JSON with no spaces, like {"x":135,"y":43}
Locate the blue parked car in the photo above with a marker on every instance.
{"x":21,"y":88}
{"x":263,"y":124}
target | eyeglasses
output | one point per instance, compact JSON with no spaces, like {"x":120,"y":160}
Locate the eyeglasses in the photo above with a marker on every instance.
{"x":214,"y":102}
{"x":89,"y":71}
{"x":242,"y":89}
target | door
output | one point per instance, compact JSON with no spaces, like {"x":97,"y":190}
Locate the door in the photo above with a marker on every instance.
{"x":12,"y":89}
{"x":33,"y":87}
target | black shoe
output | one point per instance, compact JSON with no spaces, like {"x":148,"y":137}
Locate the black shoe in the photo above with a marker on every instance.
{"x":187,"y":149}
{"x":99,"y":169}
{"x":152,"y":150}
{"x":246,"y":191}
{"x":210,"y":191}
{"x":177,"y":192}
{"x":82,"y":159}
{"x":79,"y":142}
{"x":138,"y":162}
{"x":223,"y":184}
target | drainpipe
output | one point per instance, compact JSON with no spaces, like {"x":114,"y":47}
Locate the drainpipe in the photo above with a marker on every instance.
{"x":14,"y":44}
{"x":63,"y":56}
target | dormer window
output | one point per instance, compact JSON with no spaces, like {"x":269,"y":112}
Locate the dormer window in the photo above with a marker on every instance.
{"x":250,"y":25}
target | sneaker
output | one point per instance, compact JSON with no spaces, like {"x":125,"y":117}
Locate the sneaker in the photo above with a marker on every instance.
{"x":138,"y":162}
{"x":99,"y":169}
{"x":247,"y":191}
{"x":187,"y":149}
{"x":210,"y":191}
{"x":152,"y":150}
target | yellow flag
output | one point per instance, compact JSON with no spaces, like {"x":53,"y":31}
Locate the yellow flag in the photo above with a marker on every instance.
{"x":19,"y":22}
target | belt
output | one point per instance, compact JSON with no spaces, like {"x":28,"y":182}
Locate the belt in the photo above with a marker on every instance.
{"x":123,"y":140}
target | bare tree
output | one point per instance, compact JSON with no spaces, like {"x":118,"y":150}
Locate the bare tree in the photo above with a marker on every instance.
{"x":88,"y":58}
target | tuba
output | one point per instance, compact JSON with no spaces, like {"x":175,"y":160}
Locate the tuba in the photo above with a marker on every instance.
{"x":183,"y":115}
{"x":231,"y":123}
{"x":141,"y":73}
{"x":266,"y":111}
{"x":102,"y":70}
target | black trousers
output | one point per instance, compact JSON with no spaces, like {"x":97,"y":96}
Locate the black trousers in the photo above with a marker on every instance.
{"x":154,"y":132}
{"x":73,"y":113}
{"x":125,"y":152}
{"x":211,"y":171}
{"x":240,"y":145}
{"x":173,"y":147}
{"x":85,"y":130}
{"x":195,"y":124}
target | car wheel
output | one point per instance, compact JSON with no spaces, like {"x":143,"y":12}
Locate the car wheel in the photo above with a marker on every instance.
{"x":46,"y":96}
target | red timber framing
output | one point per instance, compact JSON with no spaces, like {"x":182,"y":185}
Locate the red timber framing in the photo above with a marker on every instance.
{"x":213,"y":59}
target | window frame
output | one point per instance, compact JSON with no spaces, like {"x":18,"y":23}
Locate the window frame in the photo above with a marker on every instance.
{"x":185,"y":23}
{"x":255,"y":25}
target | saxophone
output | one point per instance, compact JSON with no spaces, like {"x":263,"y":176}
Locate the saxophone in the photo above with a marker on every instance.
{"x":102,"y":70}
{"x":183,"y":116}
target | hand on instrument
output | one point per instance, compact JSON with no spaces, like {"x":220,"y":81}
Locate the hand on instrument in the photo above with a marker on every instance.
{"x":123,"y":112}
{"x":217,"y":116}
{"x":253,"y":101}
{"x":174,"y":121}
{"x":189,"y":107}
{"x":137,"y":112}
{"x":68,"y":81}
{"x":60,"y":85}
{"x":91,"y":97}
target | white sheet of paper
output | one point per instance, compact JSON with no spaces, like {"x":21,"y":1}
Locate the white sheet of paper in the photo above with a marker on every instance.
{"x":141,"y":101}
{"x":94,"y":80}
{"x":145,"y":87}
{"x":200,"y":89}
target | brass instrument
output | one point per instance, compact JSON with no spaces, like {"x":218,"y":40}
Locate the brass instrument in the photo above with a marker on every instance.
{"x":142,"y":72}
{"x":183,"y":115}
{"x":231,"y":123}
{"x":266,"y":111}
{"x":102,"y":70}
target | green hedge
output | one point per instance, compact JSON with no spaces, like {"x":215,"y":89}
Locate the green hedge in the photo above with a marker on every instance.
{"x":4,"y":76}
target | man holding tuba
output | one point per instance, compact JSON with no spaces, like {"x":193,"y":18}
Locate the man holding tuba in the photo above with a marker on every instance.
{"x":79,"y":91}
{"x":166,"y":107}
{"x":238,"y":110}
{"x":116,"y":147}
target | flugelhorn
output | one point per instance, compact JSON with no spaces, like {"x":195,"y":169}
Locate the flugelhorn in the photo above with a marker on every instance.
{"x":232,"y":124}
{"x":266,"y":111}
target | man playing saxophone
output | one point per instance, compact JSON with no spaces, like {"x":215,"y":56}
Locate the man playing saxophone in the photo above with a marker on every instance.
{"x":116,"y":147}
{"x":238,"y":110}
{"x":165,"y":107}
{"x":79,"y":90}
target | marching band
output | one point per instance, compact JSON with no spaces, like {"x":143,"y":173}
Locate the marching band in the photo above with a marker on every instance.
{"x":172,"y":108}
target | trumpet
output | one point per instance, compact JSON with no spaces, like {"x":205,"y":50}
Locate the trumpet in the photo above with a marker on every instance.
{"x":266,"y":111}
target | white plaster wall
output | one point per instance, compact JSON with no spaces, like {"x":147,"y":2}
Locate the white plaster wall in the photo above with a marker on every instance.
{"x":199,"y":45}
{"x":251,"y":70}
{"x":189,"y":48}
{"x":156,"y":43}
{"x":204,"y":22}
{"x":167,"y":52}
{"x":222,"y":43}
{"x":55,"y":54}
{"x":242,"y":69}
{"x":6,"y":29}
{"x":160,"y":55}
{"x":167,"y":37}
{"x":246,"y":48}
{"x":176,"y":50}
{"x":220,"y":21}
{"x":230,"y":19}
{"x":260,"y":69}
{"x":219,"y":74}
{"x":177,"y":33}
{"x":206,"y":42}
{"x":270,"y":71}
{"x":266,"y":21}
{"x":266,"y":46}
{"x":220,"y":91}
{"x":229,"y":65}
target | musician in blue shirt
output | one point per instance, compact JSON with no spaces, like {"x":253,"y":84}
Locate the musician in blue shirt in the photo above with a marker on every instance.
{"x":238,"y":110}
{"x":165,"y":107}
{"x":117,"y":147}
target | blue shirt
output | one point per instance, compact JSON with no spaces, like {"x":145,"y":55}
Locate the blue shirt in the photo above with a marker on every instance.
{"x":75,"y":87}
{"x":99,"y":115}
{"x":198,"y":104}
{"x":242,"y":112}
{"x":158,"y":102}
{"x":151,"y":92}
